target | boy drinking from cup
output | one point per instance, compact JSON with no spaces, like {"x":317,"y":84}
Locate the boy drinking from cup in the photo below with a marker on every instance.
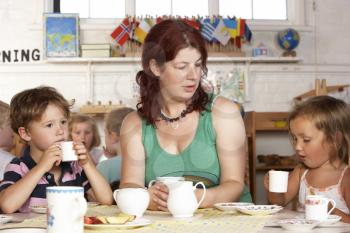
{"x":40,"y":117}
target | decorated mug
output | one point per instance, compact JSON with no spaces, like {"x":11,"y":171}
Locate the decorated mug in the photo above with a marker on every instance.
{"x":66,"y":208}
{"x":316,"y":207}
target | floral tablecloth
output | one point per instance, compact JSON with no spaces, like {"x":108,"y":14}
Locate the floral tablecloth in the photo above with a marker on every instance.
{"x":204,"y":220}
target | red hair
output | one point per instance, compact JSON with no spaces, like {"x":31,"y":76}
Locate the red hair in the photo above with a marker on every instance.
{"x":162,"y":44}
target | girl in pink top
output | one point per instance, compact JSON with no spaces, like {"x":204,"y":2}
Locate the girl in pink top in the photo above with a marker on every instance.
{"x":320,"y":133}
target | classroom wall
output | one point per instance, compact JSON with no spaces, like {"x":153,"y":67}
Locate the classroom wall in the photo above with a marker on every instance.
{"x":324,"y":52}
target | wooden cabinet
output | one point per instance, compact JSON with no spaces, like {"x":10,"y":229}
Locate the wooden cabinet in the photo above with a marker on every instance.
{"x":262,"y":122}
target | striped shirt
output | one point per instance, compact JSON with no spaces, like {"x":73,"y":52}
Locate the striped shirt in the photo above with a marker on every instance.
{"x":72,"y":175}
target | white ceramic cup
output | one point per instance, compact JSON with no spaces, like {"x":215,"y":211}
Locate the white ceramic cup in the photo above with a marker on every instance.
{"x":132,"y":201}
{"x":166,"y":180}
{"x":68,"y":153}
{"x":66,"y":208}
{"x":316,"y":207}
{"x":278,"y":181}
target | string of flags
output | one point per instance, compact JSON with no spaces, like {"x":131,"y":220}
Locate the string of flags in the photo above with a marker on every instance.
{"x":214,"y":29}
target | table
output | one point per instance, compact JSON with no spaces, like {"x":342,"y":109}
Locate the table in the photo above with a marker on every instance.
{"x":271,"y":225}
{"x":204,"y":220}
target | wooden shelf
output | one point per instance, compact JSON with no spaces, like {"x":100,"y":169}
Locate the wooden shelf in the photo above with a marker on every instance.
{"x":138,"y":59}
{"x":99,"y":109}
{"x":271,"y":121}
{"x":263,"y":167}
{"x":256,"y":122}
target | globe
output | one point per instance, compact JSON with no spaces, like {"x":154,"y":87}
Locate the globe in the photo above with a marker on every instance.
{"x":288,"y":39}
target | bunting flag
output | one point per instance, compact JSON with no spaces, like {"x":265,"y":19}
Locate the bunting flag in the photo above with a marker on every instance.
{"x":221,"y":33}
{"x":247,"y":33}
{"x":121,"y":33}
{"x":213,"y":30}
{"x":142,"y":30}
{"x":231,"y":25}
{"x":207,"y":29}
{"x":193,"y":23}
{"x":241,"y":27}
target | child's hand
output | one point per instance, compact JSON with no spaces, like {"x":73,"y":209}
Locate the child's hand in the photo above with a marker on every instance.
{"x":50,"y":157}
{"x":82,"y":153}
{"x":266,"y":181}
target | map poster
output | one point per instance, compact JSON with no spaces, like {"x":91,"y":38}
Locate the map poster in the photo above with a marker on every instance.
{"x":61,"y":35}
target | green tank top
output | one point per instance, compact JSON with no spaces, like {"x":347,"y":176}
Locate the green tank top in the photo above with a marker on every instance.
{"x":197,"y":162}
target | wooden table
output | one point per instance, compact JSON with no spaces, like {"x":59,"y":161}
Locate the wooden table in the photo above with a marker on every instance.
{"x":204,"y":220}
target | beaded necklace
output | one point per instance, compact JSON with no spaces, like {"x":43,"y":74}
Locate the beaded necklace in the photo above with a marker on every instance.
{"x":174,"y":121}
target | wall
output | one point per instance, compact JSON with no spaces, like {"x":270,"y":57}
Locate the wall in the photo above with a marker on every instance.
{"x":324,"y":50}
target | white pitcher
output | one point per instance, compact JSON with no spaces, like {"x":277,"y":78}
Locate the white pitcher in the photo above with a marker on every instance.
{"x":182,"y":201}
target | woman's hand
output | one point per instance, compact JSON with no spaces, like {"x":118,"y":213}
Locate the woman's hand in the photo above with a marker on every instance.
{"x":158,"y":197}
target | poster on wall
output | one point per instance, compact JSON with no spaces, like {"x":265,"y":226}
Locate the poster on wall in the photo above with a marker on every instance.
{"x":61,"y":35}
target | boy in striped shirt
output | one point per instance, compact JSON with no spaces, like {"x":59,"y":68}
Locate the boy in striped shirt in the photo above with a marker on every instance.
{"x":40,"y":117}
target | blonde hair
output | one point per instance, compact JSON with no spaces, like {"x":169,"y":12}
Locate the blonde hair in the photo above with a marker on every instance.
{"x":114,"y":119}
{"x":4,"y":113}
{"x":83,"y":118}
{"x":332,"y":117}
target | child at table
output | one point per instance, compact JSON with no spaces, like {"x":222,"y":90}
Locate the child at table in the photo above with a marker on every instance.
{"x":110,"y":168}
{"x":83,"y":129}
{"x":40,"y":117}
{"x":320,"y":133}
{"x":6,"y":138}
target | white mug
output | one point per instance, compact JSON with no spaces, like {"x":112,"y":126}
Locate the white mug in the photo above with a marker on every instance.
{"x":132,"y":201}
{"x":316,"y":207}
{"x":68,"y":153}
{"x":278,"y":181}
{"x":182,"y":201}
{"x":166,"y":180}
{"x":66,"y":208}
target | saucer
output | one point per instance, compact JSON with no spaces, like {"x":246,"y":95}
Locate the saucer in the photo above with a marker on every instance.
{"x":331,"y":220}
{"x":231,"y":206}
{"x":259,"y":209}
{"x":5,"y":218}
{"x":299,"y":225}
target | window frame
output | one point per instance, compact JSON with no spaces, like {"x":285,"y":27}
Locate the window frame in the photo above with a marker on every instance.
{"x":295,"y":15}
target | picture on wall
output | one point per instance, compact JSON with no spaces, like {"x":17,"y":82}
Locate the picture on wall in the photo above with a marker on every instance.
{"x":61,"y":35}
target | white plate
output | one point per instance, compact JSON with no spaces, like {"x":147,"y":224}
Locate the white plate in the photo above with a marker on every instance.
{"x":259,"y":209}
{"x":231,"y":206}
{"x":299,"y":225}
{"x":332,"y":219}
{"x":138,"y":222}
{"x":39,"y":209}
{"x":5,"y":218}
{"x":24,"y":230}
